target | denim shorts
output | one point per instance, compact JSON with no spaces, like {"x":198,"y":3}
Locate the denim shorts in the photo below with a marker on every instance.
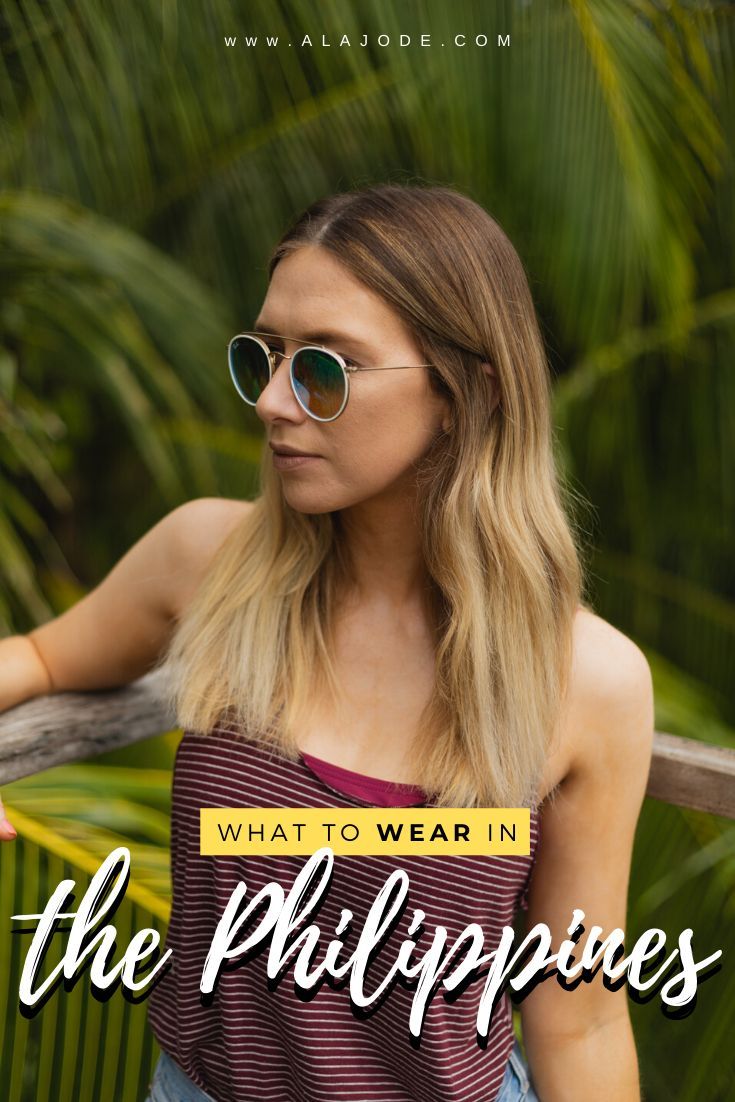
{"x":170,"y":1083}
{"x":516,"y":1086}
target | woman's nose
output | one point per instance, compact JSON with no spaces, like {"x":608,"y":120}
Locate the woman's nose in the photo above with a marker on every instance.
{"x":277,"y":398}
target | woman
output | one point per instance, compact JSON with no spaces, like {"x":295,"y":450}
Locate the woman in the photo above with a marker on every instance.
{"x":396,"y":619}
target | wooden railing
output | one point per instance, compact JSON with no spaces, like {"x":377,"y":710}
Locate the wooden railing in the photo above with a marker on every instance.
{"x":66,"y":727}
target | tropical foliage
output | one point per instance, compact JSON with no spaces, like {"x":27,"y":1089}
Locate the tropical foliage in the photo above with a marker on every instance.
{"x":148,"y":168}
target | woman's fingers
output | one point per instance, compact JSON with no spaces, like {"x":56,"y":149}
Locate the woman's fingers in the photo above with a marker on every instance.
{"x":7,"y":831}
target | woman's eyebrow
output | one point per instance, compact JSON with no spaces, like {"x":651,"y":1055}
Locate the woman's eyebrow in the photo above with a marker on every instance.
{"x":323,"y":335}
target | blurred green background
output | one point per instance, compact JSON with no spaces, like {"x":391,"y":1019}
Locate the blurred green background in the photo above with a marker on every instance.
{"x":147,"y":170}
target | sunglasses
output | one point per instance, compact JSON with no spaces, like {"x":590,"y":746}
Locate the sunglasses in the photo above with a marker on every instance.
{"x":320,"y":378}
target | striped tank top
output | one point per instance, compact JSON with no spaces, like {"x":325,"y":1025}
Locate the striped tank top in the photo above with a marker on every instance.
{"x":255,"y":1041}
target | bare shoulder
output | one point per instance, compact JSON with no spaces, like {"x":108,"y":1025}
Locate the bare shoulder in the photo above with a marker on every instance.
{"x":604,"y":658}
{"x":610,"y":699}
{"x":198,"y":527}
{"x":195,"y":531}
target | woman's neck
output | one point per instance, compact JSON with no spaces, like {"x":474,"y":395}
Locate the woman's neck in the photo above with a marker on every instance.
{"x":383,"y":542}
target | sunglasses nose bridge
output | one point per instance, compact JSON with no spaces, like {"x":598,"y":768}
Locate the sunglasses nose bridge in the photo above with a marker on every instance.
{"x":277,"y":352}
{"x":276,"y":392}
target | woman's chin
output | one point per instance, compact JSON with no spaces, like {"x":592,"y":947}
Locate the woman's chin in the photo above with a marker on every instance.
{"x":312,"y":503}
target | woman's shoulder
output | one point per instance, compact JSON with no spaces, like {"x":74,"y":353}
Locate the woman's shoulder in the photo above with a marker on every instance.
{"x":208,"y":519}
{"x":610,"y":693}
{"x":195,"y":531}
{"x":604,"y":659}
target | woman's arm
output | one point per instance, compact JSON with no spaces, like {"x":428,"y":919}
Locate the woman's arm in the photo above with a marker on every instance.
{"x":579,"y":1042}
{"x":115,"y":633}
{"x":22,"y":672}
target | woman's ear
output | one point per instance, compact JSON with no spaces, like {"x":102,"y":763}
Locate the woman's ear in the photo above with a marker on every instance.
{"x":490,"y":370}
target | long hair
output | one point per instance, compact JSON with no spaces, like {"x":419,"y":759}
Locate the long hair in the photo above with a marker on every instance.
{"x":498,"y":535}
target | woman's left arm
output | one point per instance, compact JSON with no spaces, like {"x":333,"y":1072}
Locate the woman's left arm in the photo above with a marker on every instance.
{"x":579,"y":1041}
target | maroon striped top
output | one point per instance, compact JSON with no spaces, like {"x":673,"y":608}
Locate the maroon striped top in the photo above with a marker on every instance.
{"x":250,"y":1042}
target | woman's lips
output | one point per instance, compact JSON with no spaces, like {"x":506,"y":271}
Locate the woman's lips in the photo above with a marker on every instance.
{"x":287,"y":462}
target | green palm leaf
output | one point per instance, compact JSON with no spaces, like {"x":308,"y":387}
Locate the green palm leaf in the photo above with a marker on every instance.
{"x":68,"y":820}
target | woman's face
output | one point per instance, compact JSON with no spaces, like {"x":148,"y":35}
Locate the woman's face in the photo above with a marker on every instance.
{"x":391,"y":417}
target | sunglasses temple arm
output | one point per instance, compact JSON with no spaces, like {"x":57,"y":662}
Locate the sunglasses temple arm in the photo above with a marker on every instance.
{"x":392,"y":367}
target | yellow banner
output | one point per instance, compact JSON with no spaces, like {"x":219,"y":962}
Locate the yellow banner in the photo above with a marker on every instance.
{"x":366,"y":830}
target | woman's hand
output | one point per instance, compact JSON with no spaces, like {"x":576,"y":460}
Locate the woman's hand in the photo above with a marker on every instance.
{"x":7,"y":830}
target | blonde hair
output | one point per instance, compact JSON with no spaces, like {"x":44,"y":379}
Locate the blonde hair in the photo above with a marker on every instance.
{"x":498,"y":542}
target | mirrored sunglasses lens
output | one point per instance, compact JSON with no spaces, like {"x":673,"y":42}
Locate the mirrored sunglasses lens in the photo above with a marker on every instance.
{"x":319,"y":382}
{"x":249,"y":368}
